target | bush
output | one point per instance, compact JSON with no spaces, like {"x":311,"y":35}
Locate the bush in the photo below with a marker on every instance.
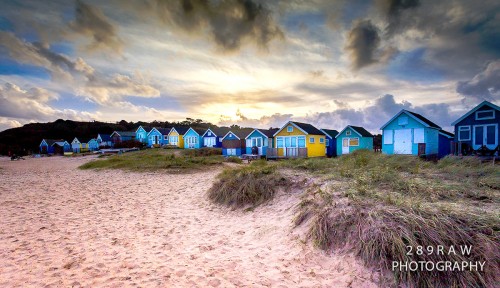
{"x":234,"y":159}
{"x":250,"y":185}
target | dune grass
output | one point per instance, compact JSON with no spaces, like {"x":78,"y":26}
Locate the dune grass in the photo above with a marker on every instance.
{"x":249,"y":185}
{"x":381,"y":204}
{"x":154,"y":159}
{"x":202,"y":152}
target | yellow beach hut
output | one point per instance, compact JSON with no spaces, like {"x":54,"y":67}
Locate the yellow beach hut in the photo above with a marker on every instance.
{"x":296,"y":139}
{"x":175,"y":136}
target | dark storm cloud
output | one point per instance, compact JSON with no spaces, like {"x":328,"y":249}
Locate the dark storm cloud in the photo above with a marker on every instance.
{"x":483,"y":86}
{"x":91,"y":22}
{"x":362,"y":43}
{"x":393,"y":10}
{"x":228,"y":23}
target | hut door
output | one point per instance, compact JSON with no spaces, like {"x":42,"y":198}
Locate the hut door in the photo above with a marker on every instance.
{"x":486,"y":135}
{"x":402,"y":141}
{"x":345,"y":146}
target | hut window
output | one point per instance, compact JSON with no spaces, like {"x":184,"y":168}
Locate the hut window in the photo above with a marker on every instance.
{"x":403,"y":121}
{"x":165,"y":137}
{"x":311,"y":140}
{"x":348,"y":132}
{"x":302,"y":141}
{"x":418,"y":135}
{"x":279,"y":142}
{"x":388,"y":136}
{"x":354,"y":141}
{"x":485,"y":115}
{"x":289,"y":129}
{"x":327,"y":142}
{"x":321,"y":140}
{"x":464,"y":133}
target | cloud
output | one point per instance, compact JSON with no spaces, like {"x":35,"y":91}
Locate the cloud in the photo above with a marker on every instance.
{"x":32,"y":105}
{"x":484,"y":85}
{"x":77,"y":75}
{"x":6,"y":123}
{"x":378,"y":112}
{"x":276,"y":120}
{"x":393,"y":10}
{"x":229,"y":24}
{"x":362,"y":43}
{"x":91,"y":22}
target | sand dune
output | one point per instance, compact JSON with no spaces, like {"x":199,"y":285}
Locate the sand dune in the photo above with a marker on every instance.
{"x":63,"y":227}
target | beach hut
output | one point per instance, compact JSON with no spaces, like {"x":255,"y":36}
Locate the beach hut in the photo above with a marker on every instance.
{"x":445,"y":143}
{"x":61,"y":146}
{"x":330,"y":142}
{"x":296,"y":139}
{"x":261,"y":139}
{"x":104,"y":140}
{"x":121,"y":136}
{"x":234,"y":143}
{"x":480,"y":127}
{"x":141,"y":134}
{"x":76,"y":145}
{"x":93,"y":145}
{"x":213,"y":136}
{"x":410,"y":133}
{"x":158,"y":137}
{"x":46,"y":146}
{"x":193,"y":138}
{"x":353,"y":138}
{"x":175,"y":136}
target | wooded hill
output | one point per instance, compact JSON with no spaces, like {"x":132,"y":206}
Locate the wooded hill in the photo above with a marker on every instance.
{"x":26,"y":139}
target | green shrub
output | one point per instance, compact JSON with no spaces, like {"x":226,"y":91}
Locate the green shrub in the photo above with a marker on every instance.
{"x":202,"y":152}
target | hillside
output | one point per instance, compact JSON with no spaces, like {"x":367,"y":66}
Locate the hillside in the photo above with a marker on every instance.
{"x":26,"y":139}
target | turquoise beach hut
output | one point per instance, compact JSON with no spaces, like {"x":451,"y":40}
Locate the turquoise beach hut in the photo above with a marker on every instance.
{"x":158,"y":136}
{"x":193,"y":138}
{"x":410,"y":133}
{"x":353,"y":138}
{"x":141,"y":134}
{"x":260,"y":138}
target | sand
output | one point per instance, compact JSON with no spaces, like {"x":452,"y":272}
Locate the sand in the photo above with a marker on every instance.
{"x":65,"y":227}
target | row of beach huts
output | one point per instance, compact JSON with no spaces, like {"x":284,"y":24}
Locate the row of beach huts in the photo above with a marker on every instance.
{"x":406,"y":133}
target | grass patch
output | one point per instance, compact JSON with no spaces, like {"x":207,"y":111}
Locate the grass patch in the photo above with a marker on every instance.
{"x":385,"y":203}
{"x":250,"y":185}
{"x":202,"y":152}
{"x":152,"y":160}
{"x":234,"y":159}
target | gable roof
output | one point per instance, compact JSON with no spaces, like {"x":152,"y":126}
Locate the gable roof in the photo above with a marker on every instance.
{"x":198,"y":131}
{"x":51,"y":142}
{"x":446,"y":133}
{"x":181,"y":130}
{"x":146,"y":128}
{"x":60,"y":143}
{"x":358,"y":130}
{"x":330,"y":133}
{"x":268,"y":133}
{"x":304,"y":127}
{"x":104,"y":137}
{"x":218,"y":131}
{"x":162,"y":131}
{"x":493,"y":106}
{"x":241,"y":133}
{"x":124,"y":133}
{"x":417,"y":117}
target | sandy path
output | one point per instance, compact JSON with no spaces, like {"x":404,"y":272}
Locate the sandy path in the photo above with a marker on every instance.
{"x":60,"y":226}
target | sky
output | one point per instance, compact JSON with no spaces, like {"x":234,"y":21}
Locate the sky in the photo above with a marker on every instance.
{"x":254,"y":63}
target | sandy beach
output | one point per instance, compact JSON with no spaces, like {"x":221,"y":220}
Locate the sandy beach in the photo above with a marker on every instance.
{"x":65,"y":227}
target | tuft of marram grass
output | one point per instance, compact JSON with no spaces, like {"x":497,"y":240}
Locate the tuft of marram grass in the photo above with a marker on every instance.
{"x":234,"y":159}
{"x":250,"y":185}
{"x":400,"y":201}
